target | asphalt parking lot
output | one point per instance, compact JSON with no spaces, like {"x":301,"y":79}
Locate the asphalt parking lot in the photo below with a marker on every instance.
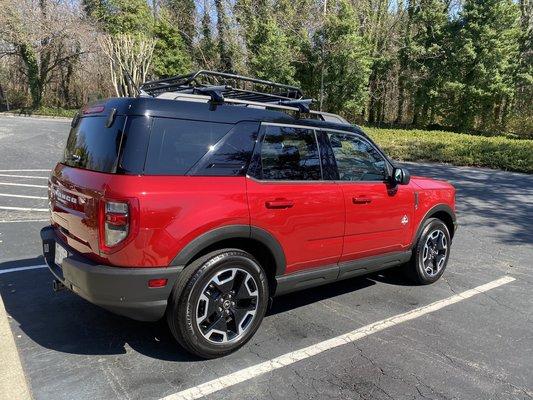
{"x":478,"y":346}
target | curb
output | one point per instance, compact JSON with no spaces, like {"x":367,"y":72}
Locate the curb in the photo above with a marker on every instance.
{"x":13,"y":383}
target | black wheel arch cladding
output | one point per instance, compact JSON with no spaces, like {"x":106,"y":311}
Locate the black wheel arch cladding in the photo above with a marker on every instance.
{"x":232,"y":232}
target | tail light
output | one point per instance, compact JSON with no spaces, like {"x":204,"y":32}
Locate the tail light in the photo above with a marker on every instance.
{"x":115,"y":223}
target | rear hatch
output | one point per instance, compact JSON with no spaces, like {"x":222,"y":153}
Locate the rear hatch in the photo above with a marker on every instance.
{"x":80,"y":180}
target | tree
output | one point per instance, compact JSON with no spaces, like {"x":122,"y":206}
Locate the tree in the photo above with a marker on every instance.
{"x":45,"y":36}
{"x":347,"y":59}
{"x":171,"y":55}
{"x":270,"y":54}
{"x":207,"y":54}
{"x":427,"y":54}
{"x":225,"y":45}
{"x":121,"y":16}
{"x":129,"y":61}
{"x":183,"y":13}
{"x":483,"y":57}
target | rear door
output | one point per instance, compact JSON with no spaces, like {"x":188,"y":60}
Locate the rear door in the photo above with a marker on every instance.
{"x":289,"y":197}
{"x":378,"y":214}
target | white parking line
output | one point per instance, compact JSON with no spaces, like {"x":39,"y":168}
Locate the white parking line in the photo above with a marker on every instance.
{"x":25,"y":170}
{"x":23,"y":185}
{"x":23,"y":196}
{"x":24,"y":209}
{"x":290,"y":358}
{"x":24,"y":176}
{"x":7,"y":271}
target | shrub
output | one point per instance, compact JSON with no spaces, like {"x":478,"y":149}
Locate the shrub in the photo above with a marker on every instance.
{"x":456,"y":148}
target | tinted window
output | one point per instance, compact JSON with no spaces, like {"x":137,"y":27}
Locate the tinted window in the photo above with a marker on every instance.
{"x":91,"y":145}
{"x":176,"y":145}
{"x":231,"y":155}
{"x":289,"y":154}
{"x":134,"y":144}
{"x":357,"y":160}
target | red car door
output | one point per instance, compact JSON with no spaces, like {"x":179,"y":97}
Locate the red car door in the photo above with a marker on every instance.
{"x":378,"y":215}
{"x":288,"y":197}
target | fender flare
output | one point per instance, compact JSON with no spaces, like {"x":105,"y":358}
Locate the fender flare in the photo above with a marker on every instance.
{"x":439,"y":207}
{"x":213,"y":236}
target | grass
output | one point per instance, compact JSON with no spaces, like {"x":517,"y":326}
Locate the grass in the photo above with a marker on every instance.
{"x":497,"y":152}
{"x":47,"y":111}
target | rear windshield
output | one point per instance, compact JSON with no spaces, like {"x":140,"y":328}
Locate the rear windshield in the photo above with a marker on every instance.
{"x":92,"y":146}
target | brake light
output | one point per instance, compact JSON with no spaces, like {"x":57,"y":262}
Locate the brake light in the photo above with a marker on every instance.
{"x":93,"y":109}
{"x":116,"y":223}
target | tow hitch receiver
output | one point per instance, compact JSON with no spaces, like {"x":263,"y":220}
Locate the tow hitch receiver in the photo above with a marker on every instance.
{"x":57,"y":285}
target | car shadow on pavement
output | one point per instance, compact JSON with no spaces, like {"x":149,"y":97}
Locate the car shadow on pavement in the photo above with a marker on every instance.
{"x":66,"y":323}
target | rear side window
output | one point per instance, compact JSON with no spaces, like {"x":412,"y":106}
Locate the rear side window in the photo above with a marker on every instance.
{"x":91,"y":145}
{"x":231,"y":155}
{"x":177,"y":145}
{"x":289,"y":153}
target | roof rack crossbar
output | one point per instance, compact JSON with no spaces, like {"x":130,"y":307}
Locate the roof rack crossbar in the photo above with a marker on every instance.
{"x":205,"y":78}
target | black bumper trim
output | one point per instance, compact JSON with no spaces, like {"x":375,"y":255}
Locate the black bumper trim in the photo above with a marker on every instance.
{"x":123,"y":291}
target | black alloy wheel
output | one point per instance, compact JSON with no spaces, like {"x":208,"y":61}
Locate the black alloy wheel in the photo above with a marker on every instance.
{"x":218,"y":303}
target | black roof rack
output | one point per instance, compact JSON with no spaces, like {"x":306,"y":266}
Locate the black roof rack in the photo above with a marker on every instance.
{"x":223,"y":85}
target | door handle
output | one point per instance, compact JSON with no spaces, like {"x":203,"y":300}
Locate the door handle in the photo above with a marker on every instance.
{"x":279,"y":203}
{"x":361,"y":200}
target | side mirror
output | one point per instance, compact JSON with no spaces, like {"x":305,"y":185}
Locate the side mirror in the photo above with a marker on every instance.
{"x":400,"y":176}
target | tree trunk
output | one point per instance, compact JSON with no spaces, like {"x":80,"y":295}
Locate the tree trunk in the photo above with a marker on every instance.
{"x":401,"y":93}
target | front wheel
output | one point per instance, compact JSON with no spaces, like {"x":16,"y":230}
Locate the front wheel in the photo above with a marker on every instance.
{"x":218,"y":303}
{"x":431,"y":253}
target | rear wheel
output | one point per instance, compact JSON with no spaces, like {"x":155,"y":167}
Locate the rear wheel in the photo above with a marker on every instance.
{"x":218,"y":303}
{"x":431,"y":253}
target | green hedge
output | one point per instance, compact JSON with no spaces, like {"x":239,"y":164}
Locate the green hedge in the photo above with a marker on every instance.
{"x":47,"y":111}
{"x":455,"y":148}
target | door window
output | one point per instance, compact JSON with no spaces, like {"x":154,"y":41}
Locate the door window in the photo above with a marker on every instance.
{"x":357,"y":159}
{"x":289,"y":153}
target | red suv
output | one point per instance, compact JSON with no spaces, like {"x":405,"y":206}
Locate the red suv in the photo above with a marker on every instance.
{"x":201,"y":201}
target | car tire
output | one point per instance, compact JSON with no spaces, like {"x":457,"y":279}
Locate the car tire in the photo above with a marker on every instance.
{"x":430,"y":254}
{"x":218,"y":303}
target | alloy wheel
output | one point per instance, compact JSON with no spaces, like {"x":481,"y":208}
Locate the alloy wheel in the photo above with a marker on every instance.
{"x":227,"y":305}
{"x":435,"y":252}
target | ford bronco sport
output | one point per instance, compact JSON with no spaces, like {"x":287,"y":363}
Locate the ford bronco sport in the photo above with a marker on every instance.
{"x":209,"y":194}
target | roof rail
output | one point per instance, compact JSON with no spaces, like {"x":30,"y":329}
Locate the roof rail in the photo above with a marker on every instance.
{"x":228,"y":85}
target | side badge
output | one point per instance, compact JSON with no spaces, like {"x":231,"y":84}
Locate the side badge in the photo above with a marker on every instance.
{"x":405,"y":220}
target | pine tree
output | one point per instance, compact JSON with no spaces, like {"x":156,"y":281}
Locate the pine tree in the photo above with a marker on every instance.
{"x":483,"y":59}
{"x":183,"y":13}
{"x":225,"y":45}
{"x":171,"y":55}
{"x":207,"y":54}
{"x":428,"y":53}
{"x":270,"y":54}
{"x":347,"y":61}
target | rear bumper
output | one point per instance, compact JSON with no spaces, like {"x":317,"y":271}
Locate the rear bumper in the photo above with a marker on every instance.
{"x":120,"y":290}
